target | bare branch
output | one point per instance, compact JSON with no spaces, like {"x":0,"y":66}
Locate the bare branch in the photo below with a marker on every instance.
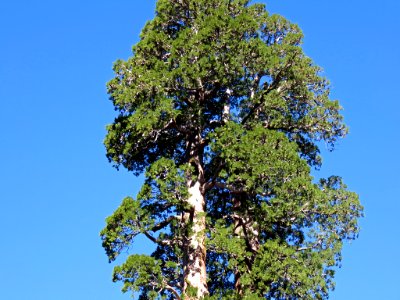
{"x":172,"y":290}
{"x":164,"y":223}
{"x":150,"y":237}
{"x":232,"y":189}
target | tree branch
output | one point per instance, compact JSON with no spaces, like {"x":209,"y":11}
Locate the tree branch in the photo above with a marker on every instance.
{"x":172,"y":290}
{"x":164,"y":223}
{"x":228,"y":187}
{"x":156,"y":241}
{"x":270,"y":88}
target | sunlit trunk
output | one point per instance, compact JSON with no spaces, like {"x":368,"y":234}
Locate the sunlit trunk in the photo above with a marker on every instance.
{"x":238,"y":233}
{"x":195,"y":277}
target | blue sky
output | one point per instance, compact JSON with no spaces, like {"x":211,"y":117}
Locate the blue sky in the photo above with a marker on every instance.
{"x":56,"y":186}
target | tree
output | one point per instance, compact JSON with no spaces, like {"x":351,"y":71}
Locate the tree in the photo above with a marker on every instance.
{"x":224,"y":113}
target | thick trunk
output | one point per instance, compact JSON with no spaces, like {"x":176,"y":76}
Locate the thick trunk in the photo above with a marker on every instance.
{"x":195,"y":277}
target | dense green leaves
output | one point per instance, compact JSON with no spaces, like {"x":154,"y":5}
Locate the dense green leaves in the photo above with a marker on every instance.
{"x":219,"y":96}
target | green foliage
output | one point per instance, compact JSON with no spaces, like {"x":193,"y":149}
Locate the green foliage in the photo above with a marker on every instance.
{"x":138,"y":271}
{"x":121,"y":228}
{"x":221,"y":93}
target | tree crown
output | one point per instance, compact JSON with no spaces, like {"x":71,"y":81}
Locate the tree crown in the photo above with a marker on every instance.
{"x":219,"y":96}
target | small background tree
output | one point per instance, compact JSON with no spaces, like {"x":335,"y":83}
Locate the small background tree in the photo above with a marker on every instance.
{"x":223,"y":111}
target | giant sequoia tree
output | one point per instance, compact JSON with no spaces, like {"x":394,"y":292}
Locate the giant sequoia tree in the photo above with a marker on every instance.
{"x":224,"y":113}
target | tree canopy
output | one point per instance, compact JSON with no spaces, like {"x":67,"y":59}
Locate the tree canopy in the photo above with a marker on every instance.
{"x":224,"y":114}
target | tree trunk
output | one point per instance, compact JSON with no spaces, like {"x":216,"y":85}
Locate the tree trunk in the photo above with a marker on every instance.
{"x":195,"y":277}
{"x":238,"y":231}
{"x":244,"y":228}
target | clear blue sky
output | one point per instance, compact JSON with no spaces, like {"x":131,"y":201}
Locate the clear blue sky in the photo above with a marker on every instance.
{"x":56,"y":186}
